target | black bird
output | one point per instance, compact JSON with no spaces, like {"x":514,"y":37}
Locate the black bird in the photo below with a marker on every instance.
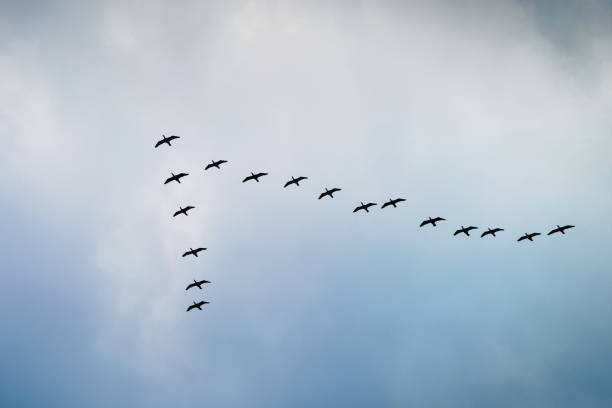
{"x":196,"y":283}
{"x":560,"y":229}
{"x":215,"y":164}
{"x":166,"y":140}
{"x":491,"y":231}
{"x":432,"y":221}
{"x":465,"y":230}
{"x":329,"y":192}
{"x":175,"y":177}
{"x":254,"y":177}
{"x":393,"y":202}
{"x":364,"y":207}
{"x":197,"y":305}
{"x":529,"y":236}
{"x":295,"y":181}
{"x":183,"y":210}
{"x":193,"y":252}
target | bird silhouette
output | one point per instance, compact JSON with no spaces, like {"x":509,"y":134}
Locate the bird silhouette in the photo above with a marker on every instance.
{"x":560,"y":229}
{"x":175,"y":177}
{"x":166,"y":140}
{"x":364,"y":207}
{"x":465,"y":230}
{"x":329,"y":193}
{"x":215,"y":164}
{"x":529,"y":236}
{"x":193,"y":252}
{"x":254,"y":177}
{"x":432,"y":221}
{"x":196,"y":283}
{"x":197,"y":305}
{"x":393,"y":202}
{"x":491,"y":231}
{"x":183,"y":210}
{"x":295,"y":181}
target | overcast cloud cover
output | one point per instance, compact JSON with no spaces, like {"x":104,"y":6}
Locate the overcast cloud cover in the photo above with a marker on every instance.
{"x":486,"y":113}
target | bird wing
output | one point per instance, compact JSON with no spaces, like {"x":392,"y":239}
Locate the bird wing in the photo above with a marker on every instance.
{"x":322,"y":195}
{"x":288,"y":183}
{"x":302,"y":178}
{"x":386,"y":204}
{"x":190,"y":307}
{"x":191,"y":285}
{"x":208,"y":166}
{"x":484,"y":233}
{"x":222,"y":161}
{"x":438,"y":219}
{"x":247,"y":178}
{"x":521,"y":238}
{"x":262,"y":174}
{"x":400,"y":199}
{"x":457,"y":232}
{"x":553,"y":231}
{"x":424,"y":223}
{"x":471,"y":227}
{"x":177,"y":213}
{"x":159,"y":142}
{"x":358,"y":208}
{"x":186,"y":253}
{"x":169,"y":179}
{"x":173,"y":137}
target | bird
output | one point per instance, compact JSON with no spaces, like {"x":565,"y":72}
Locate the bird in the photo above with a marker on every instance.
{"x":197,"y":305}
{"x":329,"y":192}
{"x":193,"y":252}
{"x":364,"y":207}
{"x":175,"y":177}
{"x":183,"y":210}
{"x":196,"y":283}
{"x":560,"y":229}
{"x":393,"y":202}
{"x":491,"y":231}
{"x":465,"y":230}
{"x":254,"y":177}
{"x":295,"y":181}
{"x":432,"y":221}
{"x":166,"y":140}
{"x":215,"y":164}
{"x":529,"y":236}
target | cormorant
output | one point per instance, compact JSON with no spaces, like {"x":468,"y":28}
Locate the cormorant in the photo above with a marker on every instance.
{"x":254,"y":177}
{"x":166,"y":140}
{"x":183,"y":210}
{"x":196,"y":283}
{"x":465,"y":230}
{"x":329,"y":192}
{"x":432,"y":221}
{"x":560,"y":229}
{"x":295,"y":181}
{"x":175,"y":177}
{"x":364,"y":207}
{"x":529,"y":236}
{"x":197,"y":305}
{"x":215,"y":164}
{"x":393,"y":202}
{"x":193,"y":252}
{"x":491,"y":231}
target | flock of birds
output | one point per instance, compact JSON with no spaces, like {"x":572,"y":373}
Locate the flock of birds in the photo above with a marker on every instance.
{"x":327,"y":193}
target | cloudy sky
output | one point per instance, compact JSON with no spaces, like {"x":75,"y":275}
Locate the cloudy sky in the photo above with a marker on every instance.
{"x":488,"y":113}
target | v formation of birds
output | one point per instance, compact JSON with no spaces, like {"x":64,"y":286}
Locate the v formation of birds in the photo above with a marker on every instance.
{"x":365,"y":207}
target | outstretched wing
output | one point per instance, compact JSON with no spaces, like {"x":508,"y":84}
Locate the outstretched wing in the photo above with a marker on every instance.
{"x":358,"y":208}
{"x":186,"y":253}
{"x":288,"y":183}
{"x":247,"y":178}
{"x":424,"y":223}
{"x":386,"y":204}
{"x":191,"y":285}
{"x":159,"y":143}
{"x":553,"y":231}
{"x":208,"y":166}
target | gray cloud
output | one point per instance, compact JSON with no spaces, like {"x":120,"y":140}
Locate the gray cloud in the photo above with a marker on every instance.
{"x":485,"y":114}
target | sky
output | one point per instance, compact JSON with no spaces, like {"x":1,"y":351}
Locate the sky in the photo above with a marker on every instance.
{"x":487,"y":113}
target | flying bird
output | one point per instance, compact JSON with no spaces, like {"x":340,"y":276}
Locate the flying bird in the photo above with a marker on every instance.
{"x":183,"y":210}
{"x":196,"y":283}
{"x":529,"y":236}
{"x":364,"y":207}
{"x":197,"y":305}
{"x":329,"y":192}
{"x":465,"y":230}
{"x":393,"y":202}
{"x":491,"y":231}
{"x":175,"y":177}
{"x":295,"y":181}
{"x":432,"y":221}
{"x":215,"y":164}
{"x":193,"y":252}
{"x":166,"y":140}
{"x":254,"y":177}
{"x":560,"y":229}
